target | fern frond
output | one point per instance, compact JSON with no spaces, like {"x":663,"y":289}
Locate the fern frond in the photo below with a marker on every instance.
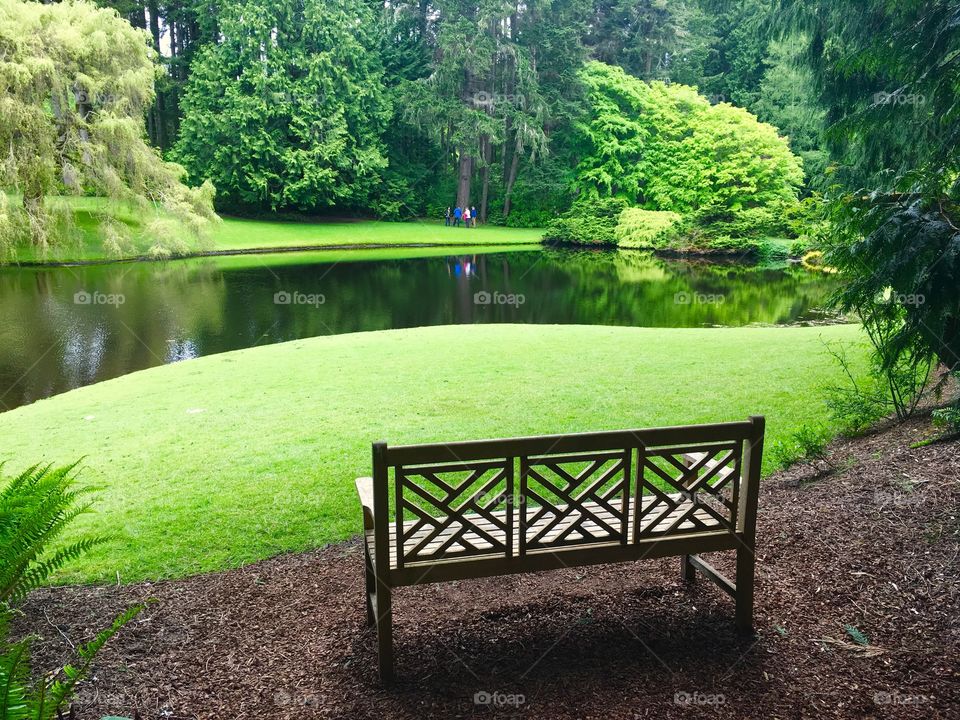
{"x":14,"y":676}
{"x":61,"y":690}
{"x":36,"y":507}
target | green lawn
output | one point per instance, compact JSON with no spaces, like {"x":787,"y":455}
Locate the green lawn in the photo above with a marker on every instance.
{"x":227,"y":459}
{"x":238,"y":234}
{"x":235,"y":234}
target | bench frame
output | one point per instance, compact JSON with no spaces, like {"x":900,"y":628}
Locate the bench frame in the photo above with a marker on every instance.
{"x":374,"y":494}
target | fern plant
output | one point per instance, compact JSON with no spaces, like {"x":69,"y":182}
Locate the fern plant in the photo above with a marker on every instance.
{"x":36,"y":507}
{"x":25,"y":698}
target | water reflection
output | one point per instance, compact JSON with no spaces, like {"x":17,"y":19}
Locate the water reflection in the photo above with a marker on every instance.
{"x":178,"y":310}
{"x":462,"y":266}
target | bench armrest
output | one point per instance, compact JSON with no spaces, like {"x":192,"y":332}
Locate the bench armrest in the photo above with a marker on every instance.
{"x":365,"y":491}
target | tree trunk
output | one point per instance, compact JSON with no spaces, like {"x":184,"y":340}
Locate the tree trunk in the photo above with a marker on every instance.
{"x":485,"y":192}
{"x":154,"y":24}
{"x":422,"y":19}
{"x":32,"y":201}
{"x":84,"y":109}
{"x":466,"y":173}
{"x":159,"y":136}
{"x":137,"y":18}
{"x":174,"y":37}
{"x":511,"y":179}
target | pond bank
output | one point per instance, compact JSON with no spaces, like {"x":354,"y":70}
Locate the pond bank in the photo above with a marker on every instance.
{"x":453,"y":248}
{"x":253,"y":453}
{"x":93,"y":322}
{"x":244,"y":236}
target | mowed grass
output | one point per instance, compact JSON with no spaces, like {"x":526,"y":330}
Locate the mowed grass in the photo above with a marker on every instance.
{"x":236,"y":235}
{"x":224,"y":460}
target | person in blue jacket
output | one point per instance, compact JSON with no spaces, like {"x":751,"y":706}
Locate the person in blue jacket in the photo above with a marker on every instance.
{"x":457,"y":215}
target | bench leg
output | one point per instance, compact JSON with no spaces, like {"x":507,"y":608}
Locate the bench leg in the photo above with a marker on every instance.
{"x":744,"y":598}
{"x":370,"y":586}
{"x":687,"y":571}
{"x":384,"y":634}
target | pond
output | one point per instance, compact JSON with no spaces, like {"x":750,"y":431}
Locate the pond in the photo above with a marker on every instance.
{"x":65,"y":327}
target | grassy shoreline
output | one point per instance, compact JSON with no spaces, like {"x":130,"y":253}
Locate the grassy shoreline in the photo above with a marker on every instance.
{"x":224,"y":460}
{"x":358,"y":249}
{"x":235,"y":236}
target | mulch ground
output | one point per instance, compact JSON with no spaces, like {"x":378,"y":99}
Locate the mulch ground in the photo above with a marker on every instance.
{"x":873,"y":547}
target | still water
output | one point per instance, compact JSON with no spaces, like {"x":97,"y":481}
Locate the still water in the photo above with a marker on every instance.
{"x":61,"y":328}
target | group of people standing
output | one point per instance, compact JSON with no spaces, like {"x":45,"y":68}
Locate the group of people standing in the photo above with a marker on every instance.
{"x":467,"y":215}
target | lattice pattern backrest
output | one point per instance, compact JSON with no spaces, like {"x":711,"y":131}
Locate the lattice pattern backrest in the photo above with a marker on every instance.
{"x":687,"y":489}
{"x":455,"y":509}
{"x":574,"y":499}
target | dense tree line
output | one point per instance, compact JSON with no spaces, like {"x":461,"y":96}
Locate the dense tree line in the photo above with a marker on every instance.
{"x":481,"y":98}
{"x":888,"y":77}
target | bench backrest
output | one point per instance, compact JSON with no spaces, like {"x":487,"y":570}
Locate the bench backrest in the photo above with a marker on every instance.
{"x":513,"y":496}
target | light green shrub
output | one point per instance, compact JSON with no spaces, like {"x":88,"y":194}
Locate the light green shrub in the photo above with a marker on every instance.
{"x":646,"y":229}
{"x":591,"y":221}
{"x":665,"y":147}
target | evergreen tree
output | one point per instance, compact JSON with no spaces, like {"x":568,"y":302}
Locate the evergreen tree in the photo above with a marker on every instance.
{"x":786,"y":100}
{"x":889,"y":76}
{"x":286,"y":111}
{"x":504,"y":78}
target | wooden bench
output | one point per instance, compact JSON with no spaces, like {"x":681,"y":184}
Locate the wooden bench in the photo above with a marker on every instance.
{"x":441,"y":512}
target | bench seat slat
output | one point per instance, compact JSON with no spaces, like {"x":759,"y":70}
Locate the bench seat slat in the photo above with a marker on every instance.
{"x":659,"y":521}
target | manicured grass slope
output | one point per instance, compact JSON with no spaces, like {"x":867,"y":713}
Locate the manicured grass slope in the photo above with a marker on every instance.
{"x":223,"y":460}
{"x":235,"y":234}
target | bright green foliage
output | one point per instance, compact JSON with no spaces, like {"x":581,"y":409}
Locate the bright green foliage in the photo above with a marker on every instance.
{"x":591,"y":221}
{"x":664,"y":147}
{"x":808,"y":443}
{"x":287,"y":110}
{"x":36,"y":506}
{"x":75,"y":81}
{"x":646,"y":229}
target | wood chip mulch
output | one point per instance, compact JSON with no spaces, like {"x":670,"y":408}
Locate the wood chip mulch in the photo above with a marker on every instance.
{"x":857,"y":617}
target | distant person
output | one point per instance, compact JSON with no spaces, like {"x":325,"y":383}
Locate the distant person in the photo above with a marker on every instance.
{"x":446,"y":218}
{"x":473,"y":214}
{"x":457,"y":214}
{"x":466,"y":217}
